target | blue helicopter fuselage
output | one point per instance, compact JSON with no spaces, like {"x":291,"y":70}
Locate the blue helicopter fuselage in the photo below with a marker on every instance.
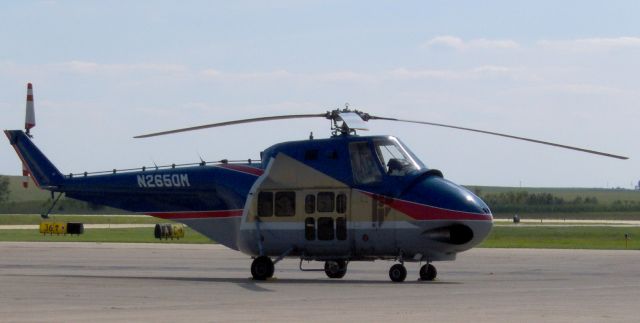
{"x":388,"y":192}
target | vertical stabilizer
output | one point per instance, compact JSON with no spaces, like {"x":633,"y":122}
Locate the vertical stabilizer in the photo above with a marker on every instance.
{"x":44,"y":173}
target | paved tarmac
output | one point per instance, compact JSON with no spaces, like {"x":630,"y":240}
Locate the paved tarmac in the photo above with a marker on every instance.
{"x":81,"y":282}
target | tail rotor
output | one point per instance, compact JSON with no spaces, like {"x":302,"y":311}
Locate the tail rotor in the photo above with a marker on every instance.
{"x":29,"y":122}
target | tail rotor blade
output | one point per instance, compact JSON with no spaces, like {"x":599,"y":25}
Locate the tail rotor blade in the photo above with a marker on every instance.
{"x":30,"y":115}
{"x":502,"y":135}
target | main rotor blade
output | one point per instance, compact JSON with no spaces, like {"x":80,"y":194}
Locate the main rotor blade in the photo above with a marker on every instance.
{"x":503,"y":135}
{"x":234,"y":122}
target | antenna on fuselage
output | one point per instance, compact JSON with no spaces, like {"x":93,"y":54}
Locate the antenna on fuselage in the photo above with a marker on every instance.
{"x":202,"y":162}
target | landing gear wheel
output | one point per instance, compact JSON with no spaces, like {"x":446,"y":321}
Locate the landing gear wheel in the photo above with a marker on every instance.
{"x":398,"y":273}
{"x":335,"y":268}
{"x":262,"y":268}
{"x":428,"y":272}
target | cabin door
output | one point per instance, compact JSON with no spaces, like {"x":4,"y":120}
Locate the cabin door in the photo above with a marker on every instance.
{"x":326,"y":222}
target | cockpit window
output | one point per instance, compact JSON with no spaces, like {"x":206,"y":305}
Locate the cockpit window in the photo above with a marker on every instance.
{"x":394,"y":158}
{"x":363,"y":164}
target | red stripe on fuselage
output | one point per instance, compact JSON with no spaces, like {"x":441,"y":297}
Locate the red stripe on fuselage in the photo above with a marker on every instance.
{"x":196,"y":214}
{"x":244,"y":169}
{"x":427,"y":212}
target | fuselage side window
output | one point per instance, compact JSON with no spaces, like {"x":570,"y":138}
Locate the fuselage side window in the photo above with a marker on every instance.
{"x":285,"y":203}
{"x":310,"y":204}
{"x":326,"y":201}
{"x":341,"y":228}
{"x":310,"y":228}
{"x":265,"y":204}
{"x":325,"y":228}
{"x":341,"y":203}
{"x":363,"y":164}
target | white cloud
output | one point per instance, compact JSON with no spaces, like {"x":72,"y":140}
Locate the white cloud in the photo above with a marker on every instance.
{"x":211,"y":73}
{"x":344,"y":76}
{"x":279,"y":75}
{"x":579,"y":89}
{"x":98,"y":68}
{"x":493,"y":69}
{"x":405,"y":73}
{"x":592,"y":44}
{"x":448,"y":74}
{"x":447,"y":41}
{"x":492,"y":44}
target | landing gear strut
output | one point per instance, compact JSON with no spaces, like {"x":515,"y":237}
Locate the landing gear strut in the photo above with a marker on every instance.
{"x":335,"y":268}
{"x":428,"y":272}
{"x":262,"y":268}
{"x":398,"y":273}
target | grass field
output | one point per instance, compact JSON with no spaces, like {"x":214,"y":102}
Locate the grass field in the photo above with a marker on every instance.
{"x":561,"y":237}
{"x":101,"y":235}
{"x":604,"y":195}
{"x":509,"y":236}
{"x":9,"y":219}
{"x":632,"y":215}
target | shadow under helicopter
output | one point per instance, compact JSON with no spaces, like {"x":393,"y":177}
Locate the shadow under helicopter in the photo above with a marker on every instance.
{"x":246,"y":283}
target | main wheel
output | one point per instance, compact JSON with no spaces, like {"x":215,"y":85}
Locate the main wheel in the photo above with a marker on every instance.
{"x":262,"y":268}
{"x":398,"y":273}
{"x":428,"y":272}
{"x":335,"y":268}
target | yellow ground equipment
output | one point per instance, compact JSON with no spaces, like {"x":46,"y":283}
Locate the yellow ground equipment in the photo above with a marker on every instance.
{"x":168,"y":231}
{"x":49,"y":227}
{"x":53,"y":228}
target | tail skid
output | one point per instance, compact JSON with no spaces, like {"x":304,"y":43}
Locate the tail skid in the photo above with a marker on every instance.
{"x":44,"y":173}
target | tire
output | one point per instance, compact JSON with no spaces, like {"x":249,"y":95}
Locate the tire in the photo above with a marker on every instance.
{"x":335,"y":268}
{"x":262,"y":268}
{"x":398,"y":273}
{"x":428,"y":272}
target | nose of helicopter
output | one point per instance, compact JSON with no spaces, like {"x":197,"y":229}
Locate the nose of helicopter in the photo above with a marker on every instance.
{"x":443,"y":194}
{"x":451,"y":209}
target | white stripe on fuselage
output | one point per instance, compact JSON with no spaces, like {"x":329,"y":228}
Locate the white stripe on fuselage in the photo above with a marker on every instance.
{"x":350,"y":224}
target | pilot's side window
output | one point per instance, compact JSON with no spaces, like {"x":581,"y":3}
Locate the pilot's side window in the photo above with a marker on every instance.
{"x":265,"y":204}
{"x":363,"y":164}
{"x":285,"y":203}
{"x":326,"y":201}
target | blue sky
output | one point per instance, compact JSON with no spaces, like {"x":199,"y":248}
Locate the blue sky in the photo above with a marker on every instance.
{"x":106,"y":71}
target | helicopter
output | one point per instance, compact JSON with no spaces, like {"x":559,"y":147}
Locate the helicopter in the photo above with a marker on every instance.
{"x":335,"y":200}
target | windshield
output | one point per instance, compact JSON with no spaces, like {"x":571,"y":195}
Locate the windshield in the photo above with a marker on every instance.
{"x":394,"y":158}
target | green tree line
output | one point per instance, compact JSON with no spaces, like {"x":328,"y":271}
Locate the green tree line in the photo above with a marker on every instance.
{"x":523,"y":201}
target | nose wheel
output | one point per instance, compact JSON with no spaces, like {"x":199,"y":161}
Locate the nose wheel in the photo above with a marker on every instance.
{"x":262,"y":268}
{"x":398,"y":273}
{"x":428,"y":272}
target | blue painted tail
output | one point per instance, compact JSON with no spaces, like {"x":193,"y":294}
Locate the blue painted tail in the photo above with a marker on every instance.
{"x":45,"y":174}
